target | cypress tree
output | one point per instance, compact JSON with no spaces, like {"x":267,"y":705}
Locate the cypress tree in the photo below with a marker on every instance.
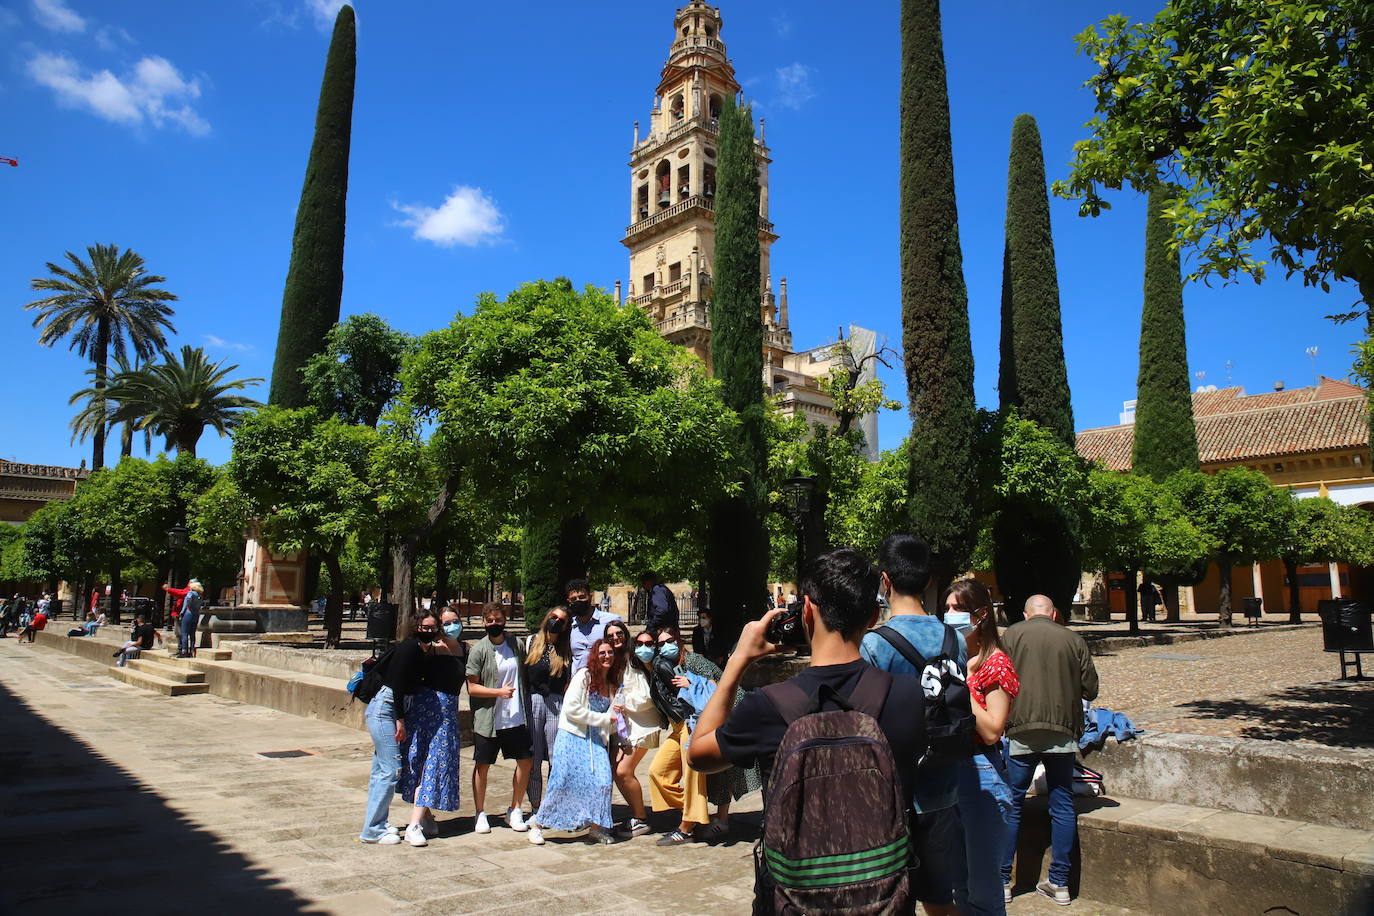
{"x":1035,"y":548}
{"x":1165,"y":436}
{"x":935,"y":326}
{"x":314,"y":281}
{"x":1037,"y":382}
{"x":737,"y":542}
{"x":539,"y":568}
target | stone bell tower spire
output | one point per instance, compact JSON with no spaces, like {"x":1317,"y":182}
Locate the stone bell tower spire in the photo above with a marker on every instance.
{"x":671,"y":236}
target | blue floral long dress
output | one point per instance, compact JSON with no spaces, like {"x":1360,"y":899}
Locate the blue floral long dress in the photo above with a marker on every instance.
{"x":430,"y":776}
{"x":579,"y":790}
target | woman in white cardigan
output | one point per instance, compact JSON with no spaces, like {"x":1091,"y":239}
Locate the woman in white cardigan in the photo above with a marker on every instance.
{"x":644,"y":725}
{"x":579,"y":792}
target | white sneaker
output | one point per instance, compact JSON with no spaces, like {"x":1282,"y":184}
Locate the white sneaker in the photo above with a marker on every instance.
{"x":515,"y":817}
{"x":386,"y":839}
{"x":415,"y":835}
{"x":535,"y":836}
{"x":390,"y":829}
{"x":1055,"y":892}
{"x":481,"y":826}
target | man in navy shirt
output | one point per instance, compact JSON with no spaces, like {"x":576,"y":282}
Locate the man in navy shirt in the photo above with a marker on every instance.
{"x":936,"y":832}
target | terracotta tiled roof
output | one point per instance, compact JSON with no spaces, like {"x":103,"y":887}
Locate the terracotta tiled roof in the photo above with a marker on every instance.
{"x":1234,"y":427}
{"x":42,"y":470}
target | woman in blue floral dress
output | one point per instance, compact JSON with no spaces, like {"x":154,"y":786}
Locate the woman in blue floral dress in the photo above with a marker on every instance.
{"x":430,"y":776}
{"x":579,"y":791}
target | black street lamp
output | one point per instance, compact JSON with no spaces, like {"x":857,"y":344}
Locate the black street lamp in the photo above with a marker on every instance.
{"x":798,"y":502}
{"x":177,"y":538}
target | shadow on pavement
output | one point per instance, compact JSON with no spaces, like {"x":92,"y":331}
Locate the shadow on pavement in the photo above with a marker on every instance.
{"x":1336,"y":714}
{"x":82,"y":835}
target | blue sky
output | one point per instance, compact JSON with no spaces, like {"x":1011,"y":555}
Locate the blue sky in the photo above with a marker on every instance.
{"x":490,"y":144}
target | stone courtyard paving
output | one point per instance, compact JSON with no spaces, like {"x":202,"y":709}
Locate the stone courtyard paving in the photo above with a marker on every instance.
{"x":112,"y":798}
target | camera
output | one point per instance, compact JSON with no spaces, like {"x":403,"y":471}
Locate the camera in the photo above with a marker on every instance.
{"x":786,"y":629}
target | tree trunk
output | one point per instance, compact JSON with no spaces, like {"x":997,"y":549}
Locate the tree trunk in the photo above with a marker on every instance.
{"x":333,"y":609}
{"x":1132,"y":604}
{"x":160,"y":608}
{"x":100,"y":355}
{"x":1171,"y":608}
{"x":116,"y":585}
{"x":126,"y":441}
{"x":1290,"y":567}
{"x":404,"y":545}
{"x":441,"y":573}
{"x":1224,"y":602}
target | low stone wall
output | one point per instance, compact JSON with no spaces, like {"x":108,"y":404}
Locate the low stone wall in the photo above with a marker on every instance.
{"x":1300,"y":781}
{"x":340,"y":664}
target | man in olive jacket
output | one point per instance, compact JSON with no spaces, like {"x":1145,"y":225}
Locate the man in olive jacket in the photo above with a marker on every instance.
{"x":1057,"y":674}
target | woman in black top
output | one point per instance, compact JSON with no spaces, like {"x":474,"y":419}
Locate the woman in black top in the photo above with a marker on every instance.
{"x":430,"y":777}
{"x":548,"y":666}
{"x":386,"y":722}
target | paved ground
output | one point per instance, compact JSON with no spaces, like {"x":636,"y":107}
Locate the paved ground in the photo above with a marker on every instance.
{"x":115,"y":799}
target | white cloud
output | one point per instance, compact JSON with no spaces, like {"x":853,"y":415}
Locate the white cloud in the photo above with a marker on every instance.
{"x":57,"y":16}
{"x":155,"y":91}
{"x":220,"y":343}
{"x":111,"y":37}
{"x":782,"y":24}
{"x":792,"y":85}
{"x":324,"y":11}
{"x":466,"y":217}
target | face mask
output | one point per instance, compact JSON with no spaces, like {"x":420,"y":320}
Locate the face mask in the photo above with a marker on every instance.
{"x":644,"y":653}
{"x":425,"y":635}
{"x":579,"y":607}
{"x":669,"y":651}
{"x":958,"y":619}
{"x":495,"y":629}
{"x":555,"y":626}
{"x":453,"y":630}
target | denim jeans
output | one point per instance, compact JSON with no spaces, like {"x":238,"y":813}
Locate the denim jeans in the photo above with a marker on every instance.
{"x":386,"y":763}
{"x":984,"y":809}
{"x":1063,"y":817}
{"x":130,"y":650}
{"x":543,"y":733}
{"x":186,"y":637}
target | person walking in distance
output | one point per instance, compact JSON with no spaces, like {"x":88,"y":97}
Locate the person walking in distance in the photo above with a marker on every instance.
{"x":498,"y":694}
{"x":936,"y":834}
{"x":661,"y":608}
{"x":1056,"y":674}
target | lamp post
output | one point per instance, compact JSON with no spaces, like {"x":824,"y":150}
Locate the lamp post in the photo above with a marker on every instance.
{"x":797,"y":493}
{"x":176,"y":543}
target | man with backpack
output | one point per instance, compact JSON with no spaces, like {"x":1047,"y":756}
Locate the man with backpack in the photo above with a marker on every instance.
{"x":842,"y":728}
{"x":913,"y":642}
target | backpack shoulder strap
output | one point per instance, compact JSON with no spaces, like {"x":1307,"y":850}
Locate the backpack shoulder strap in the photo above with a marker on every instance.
{"x":950,"y":649}
{"x":790,"y":700}
{"x":870,"y":694}
{"x":902,"y":645}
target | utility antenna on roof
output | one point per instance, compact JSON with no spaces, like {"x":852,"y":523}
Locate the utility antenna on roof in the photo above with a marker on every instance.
{"x":1312,"y":356}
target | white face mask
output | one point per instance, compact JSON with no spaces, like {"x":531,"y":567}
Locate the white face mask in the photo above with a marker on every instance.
{"x":958,"y":619}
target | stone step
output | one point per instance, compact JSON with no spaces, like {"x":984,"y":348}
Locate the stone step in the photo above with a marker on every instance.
{"x":156,"y":684}
{"x":167,"y":672}
{"x":169,"y":656}
{"x":1160,"y":857}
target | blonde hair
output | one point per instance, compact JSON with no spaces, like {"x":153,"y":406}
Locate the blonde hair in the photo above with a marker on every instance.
{"x":561,"y":656}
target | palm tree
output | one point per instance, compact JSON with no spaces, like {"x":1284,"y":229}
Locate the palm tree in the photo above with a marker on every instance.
{"x":110,"y":304}
{"x":178,"y":399}
{"x":99,"y":407}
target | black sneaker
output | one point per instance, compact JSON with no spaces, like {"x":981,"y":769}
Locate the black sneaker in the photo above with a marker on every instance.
{"x":676,"y":838}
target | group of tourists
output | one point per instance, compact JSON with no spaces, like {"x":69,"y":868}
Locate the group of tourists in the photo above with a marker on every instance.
{"x":29,"y":617}
{"x":959,"y":715}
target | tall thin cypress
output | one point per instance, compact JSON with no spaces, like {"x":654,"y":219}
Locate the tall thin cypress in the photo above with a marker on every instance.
{"x":1165,"y":435}
{"x":737,"y":542}
{"x":1037,"y":383}
{"x":1035,"y":547}
{"x":935,"y":325}
{"x":314,"y":281}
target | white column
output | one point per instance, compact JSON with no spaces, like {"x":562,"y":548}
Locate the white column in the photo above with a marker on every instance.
{"x":1187,"y":593}
{"x":1335,"y":579}
{"x":1257,"y":580}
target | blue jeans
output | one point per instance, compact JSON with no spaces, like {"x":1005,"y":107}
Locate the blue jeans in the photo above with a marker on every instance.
{"x":186,"y":636}
{"x":984,"y":809}
{"x":386,"y":763}
{"x":1063,"y":817}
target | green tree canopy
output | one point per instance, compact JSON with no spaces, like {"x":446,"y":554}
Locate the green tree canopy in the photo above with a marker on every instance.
{"x":358,"y":373}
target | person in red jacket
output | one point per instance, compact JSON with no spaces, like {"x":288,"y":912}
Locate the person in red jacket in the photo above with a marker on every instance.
{"x":174,"y":612}
{"x":39,"y":622}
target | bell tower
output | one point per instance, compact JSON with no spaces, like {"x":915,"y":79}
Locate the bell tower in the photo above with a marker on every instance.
{"x":671,"y":236}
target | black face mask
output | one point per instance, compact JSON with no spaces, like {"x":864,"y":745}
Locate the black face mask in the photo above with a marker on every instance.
{"x":426,"y":636}
{"x":555,"y":626}
{"x":580,"y":607}
{"x":495,"y":629}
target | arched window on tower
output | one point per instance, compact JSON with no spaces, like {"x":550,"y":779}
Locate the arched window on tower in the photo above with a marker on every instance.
{"x":678,"y":107}
{"x":663,"y":188}
{"x":708,"y":181}
{"x":684,"y":182}
{"x":642,"y":201}
{"x":715,"y":103}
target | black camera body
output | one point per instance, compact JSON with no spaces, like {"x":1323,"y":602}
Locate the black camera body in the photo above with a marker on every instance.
{"x":786,"y":629}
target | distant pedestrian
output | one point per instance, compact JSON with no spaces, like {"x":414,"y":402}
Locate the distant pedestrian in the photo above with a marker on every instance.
{"x":1149,"y":599}
{"x":1057,"y":674}
{"x":35,"y":626}
{"x":706,"y":642}
{"x":190,"y":599}
{"x":548,"y":666}
{"x":579,"y":795}
{"x":498,"y":694}
{"x":661,"y":606}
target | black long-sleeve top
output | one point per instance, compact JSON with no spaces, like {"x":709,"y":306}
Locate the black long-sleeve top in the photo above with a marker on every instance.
{"x":404,"y":672}
{"x":542,"y":682}
{"x":445,"y":673}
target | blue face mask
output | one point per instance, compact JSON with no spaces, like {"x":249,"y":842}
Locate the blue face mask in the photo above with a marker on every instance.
{"x":644,"y":653}
{"x":453,"y":630}
{"x":669,"y":651}
{"x":958,"y":619}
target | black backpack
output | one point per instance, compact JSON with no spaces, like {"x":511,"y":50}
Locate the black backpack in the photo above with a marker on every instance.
{"x":949,"y":714}
{"x":835,"y":834}
{"x":365,"y":684}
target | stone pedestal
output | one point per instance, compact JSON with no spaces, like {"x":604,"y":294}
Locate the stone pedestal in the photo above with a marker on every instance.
{"x":279,"y":619}
{"x":272,"y":592}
